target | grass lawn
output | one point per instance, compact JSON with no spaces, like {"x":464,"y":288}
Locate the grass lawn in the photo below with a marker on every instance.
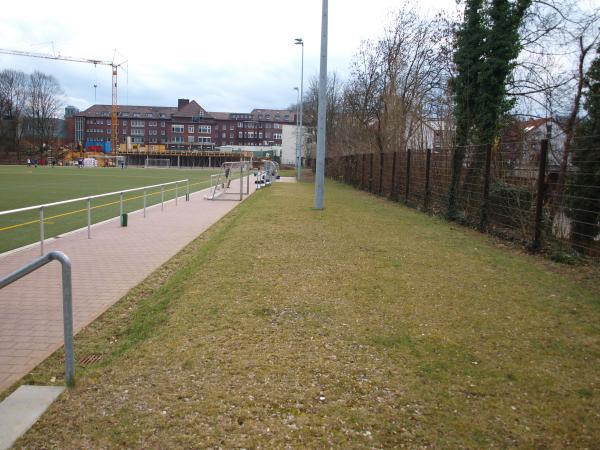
{"x":365,"y":325}
{"x":22,"y":186}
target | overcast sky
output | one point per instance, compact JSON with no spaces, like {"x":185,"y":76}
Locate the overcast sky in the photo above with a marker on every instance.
{"x":229,"y":55}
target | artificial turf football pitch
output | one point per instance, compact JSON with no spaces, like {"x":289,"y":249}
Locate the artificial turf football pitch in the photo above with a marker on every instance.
{"x":23,"y":186}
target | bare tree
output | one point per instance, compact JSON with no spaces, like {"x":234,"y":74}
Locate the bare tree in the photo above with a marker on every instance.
{"x":13,"y":98}
{"x":395,"y":80}
{"x":44,"y":104}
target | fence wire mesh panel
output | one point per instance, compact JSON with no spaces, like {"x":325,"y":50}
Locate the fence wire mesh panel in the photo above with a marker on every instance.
{"x":521,"y":191}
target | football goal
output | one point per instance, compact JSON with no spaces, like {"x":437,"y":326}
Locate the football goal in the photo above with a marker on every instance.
{"x":229,"y":183}
{"x":161,"y":163}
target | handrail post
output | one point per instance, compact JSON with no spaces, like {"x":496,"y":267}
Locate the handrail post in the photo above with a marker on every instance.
{"x":89,"y":217}
{"x":68,"y":320}
{"x":67,"y":303}
{"x":162,"y":198}
{"x":144,"y":203}
{"x":121,"y":204}
{"x":42,"y":230}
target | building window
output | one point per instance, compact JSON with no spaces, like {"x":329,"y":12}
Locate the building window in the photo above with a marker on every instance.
{"x":124,"y":123}
{"x":162,"y":124}
{"x":268,"y":125}
{"x":162,"y":132}
{"x":153,"y":140}
{"x":125,"y":114}
{"x":240,"y":125}
{"x":162,"y":116}
{"x":152,"y":123}
{"x":152,"y":132}
{"x":109,"y":122}
{"x":137,"y":140}
{"x":277,"y":126}
{"x":240,"y":135}
{"x":260,"y":135}
{"x":204,"y":129}
{"x":90,"y":122}
{"x":124,"y":131}
{"x":267,"y":116}
{"x":223,"y":135}
{"x":231,"y":127}
{"x":137,"y":132}
{"x":231,"y":135}
{"x":177,"y":128}
{"x":178,"y":139}
{"x":138,"y":123}
{"x":149,"y":115}
{"x":286,"y":117}
{"x":191,"y":128}
{"x":204,"y":139}
{"x":104,"y":113}
{"x":190,"y":139}
{"x":137,"y":115}
{"x":276,"y":136}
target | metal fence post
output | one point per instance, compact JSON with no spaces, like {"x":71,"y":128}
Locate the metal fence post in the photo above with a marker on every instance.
{"x":241,"y":182}
{"x":162,"y":198}
{"x":89,"y":217}
{"x":144,"y":203}
{"x":427,"y":174}
{"x":371,"y":172}
{"x":42,"y":230}
{"x":483,"y":218}
{"x":121,"y":205}
{"x":176,"y":192}
{"x":187,"y":190}
{"x":407,"y":176}
{"x":393,"y":190}
{"x":539,"y":203}
{"x":381,"y":159}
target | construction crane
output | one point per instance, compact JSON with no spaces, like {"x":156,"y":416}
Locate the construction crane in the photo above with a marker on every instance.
{"x":114,"y":66}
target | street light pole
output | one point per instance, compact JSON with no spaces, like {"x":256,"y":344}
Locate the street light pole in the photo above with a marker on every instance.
{"x":299,"y":41}
{"x":321,"y":122}
{"x":297,"y":127}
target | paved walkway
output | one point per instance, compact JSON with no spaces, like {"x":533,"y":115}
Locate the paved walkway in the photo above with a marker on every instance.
{"x":104,"y":268}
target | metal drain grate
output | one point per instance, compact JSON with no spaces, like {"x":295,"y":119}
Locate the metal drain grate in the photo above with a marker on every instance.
{"x":90,"y":359}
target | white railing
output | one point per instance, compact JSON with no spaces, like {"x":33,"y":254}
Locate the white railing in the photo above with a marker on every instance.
{"x":89,"y":204}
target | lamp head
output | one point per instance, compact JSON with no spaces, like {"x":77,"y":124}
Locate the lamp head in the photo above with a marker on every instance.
{"x":299,"y":41}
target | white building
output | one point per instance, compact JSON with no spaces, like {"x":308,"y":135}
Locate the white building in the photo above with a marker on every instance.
{"x":288,"y":145}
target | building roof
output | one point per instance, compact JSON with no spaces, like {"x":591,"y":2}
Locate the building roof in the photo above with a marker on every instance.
{"x":260,"y":114}
{"x":192,"y":109}
{"x":101,"y":110}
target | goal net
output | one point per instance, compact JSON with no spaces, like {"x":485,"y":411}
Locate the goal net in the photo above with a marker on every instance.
{"x":157,"y":162}
{"x":231,"y":183}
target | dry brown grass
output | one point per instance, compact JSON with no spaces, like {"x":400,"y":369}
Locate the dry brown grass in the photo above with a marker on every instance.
{"x":364,"y":325}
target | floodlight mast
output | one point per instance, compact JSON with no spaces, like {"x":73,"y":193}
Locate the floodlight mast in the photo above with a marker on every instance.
{"x":321,"y":116}
{"x":114,"y":122}
{"x":300,"y":41}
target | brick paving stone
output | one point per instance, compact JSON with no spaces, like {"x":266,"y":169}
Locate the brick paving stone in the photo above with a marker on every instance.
{"x":104,"y":269}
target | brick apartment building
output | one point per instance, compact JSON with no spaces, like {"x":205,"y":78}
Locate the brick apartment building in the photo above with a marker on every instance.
{"x":188,"y":126}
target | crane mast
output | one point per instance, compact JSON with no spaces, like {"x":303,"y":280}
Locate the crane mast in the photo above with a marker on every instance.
{"x":114,"y":124}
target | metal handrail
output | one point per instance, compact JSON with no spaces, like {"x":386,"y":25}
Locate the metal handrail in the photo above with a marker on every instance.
{"x":89,"y":205}
{"x":67,"y":303}
{"x":45,"y":205}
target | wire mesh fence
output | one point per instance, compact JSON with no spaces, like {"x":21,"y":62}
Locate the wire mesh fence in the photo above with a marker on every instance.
{"x":518,"y":190}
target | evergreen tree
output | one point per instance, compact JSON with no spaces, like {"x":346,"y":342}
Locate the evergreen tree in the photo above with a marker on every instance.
{"x":585,"y":187}
{"x":486,"y":47}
